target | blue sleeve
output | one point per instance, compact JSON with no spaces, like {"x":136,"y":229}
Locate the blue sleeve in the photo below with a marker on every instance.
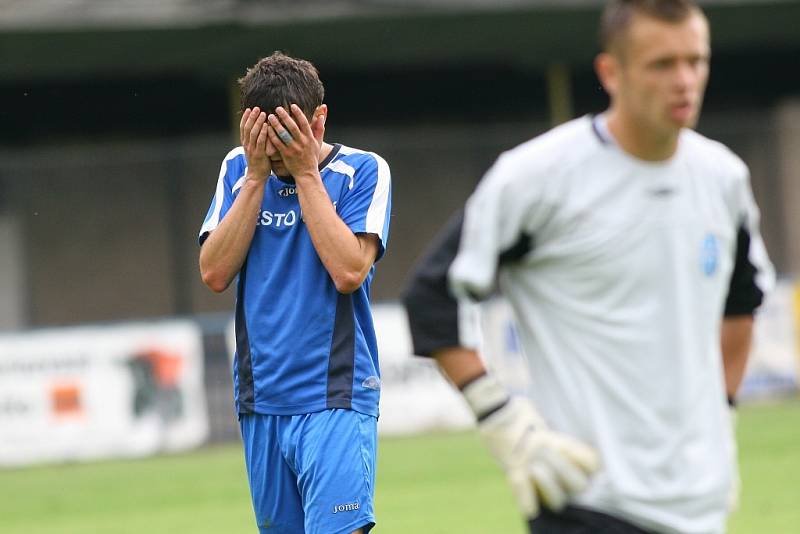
{"x":230,"y":174}
{"x":366,"y":207}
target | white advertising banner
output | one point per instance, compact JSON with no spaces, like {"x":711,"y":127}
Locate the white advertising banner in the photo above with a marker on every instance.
{"x":102,"y":391}
{"x":415,"y":397}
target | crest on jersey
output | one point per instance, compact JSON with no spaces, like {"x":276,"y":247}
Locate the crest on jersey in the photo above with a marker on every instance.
{"x":372,"y":382}
{"x":709,"y":255}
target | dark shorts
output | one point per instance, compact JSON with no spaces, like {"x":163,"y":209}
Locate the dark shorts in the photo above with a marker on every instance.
{"x":574,"y":520}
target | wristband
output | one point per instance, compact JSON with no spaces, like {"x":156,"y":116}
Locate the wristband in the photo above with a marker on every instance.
{"x":485,"y":395}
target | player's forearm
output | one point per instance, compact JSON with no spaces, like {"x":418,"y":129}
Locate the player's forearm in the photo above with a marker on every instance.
{"x":339,"y":249}
{"x":223,"y":253}
{"x":461,"y":365}
{"x":736,"y":339}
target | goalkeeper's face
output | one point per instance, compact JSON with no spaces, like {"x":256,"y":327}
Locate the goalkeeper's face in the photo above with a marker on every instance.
{"x":660,"y":72}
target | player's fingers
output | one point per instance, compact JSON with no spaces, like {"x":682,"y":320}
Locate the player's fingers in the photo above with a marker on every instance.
{"x":288,"y":123}
{"x":248,"y":125}
{"x":546,"y":482}
{"x":569,"y":476}
{"x":301,"y":120}
{"x":523,"y":492}
{"x":276,"y":141}
{"x":276,"y":131}
{"x":242,"y":121}
{"x":261,"y":141}
{"x":255,"y":130}
{"x":579,"y":453}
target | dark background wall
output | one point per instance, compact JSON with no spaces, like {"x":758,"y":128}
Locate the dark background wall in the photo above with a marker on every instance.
{"x":107,"y":170}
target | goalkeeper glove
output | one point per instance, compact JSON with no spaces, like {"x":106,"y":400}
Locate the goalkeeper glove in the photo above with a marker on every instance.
{"x":539,"y":463}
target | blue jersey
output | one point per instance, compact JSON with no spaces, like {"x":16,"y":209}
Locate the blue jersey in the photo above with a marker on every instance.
{"x":301,"y":346}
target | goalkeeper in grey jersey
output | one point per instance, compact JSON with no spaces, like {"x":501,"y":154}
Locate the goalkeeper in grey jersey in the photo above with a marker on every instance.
{"x":628,"y":248}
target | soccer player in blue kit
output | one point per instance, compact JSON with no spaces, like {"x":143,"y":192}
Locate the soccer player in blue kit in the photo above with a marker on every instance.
{"x":302,"y":223}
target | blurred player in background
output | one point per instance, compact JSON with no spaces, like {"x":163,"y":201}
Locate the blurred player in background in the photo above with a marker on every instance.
{"x":628,"y":248}
{"x":302,"y":223}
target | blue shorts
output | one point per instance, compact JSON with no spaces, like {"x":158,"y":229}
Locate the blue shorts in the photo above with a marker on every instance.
{"x":311,"y":473}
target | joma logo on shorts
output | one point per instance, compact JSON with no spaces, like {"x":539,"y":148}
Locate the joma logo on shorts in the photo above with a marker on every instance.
{"x":349,"y":507}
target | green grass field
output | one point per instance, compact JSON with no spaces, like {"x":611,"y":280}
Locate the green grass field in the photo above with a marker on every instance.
{"x":435,"y":484}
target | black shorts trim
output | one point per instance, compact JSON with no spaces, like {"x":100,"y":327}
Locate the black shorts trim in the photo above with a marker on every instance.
{"x":577,"y":520}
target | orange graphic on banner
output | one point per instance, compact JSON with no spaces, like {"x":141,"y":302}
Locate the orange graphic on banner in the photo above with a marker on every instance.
{"x":156,"y":376}
{"x":66,"y":400}
{"x":167,"y":366}
{"x":796,"y":324}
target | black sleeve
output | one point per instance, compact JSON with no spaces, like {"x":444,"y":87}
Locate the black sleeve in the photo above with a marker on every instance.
{"x":744,"y":295}
{"x":432,"y":310}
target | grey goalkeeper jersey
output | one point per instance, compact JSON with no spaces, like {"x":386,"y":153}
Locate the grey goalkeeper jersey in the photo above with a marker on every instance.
{"x":619,"y":273}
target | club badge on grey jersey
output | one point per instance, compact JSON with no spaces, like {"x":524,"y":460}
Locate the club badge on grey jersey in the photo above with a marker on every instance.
{"x":709,"y":255}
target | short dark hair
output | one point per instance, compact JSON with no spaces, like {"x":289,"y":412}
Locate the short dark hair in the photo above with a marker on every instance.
{"x":617,"y":15}
{"x":281,"y":80}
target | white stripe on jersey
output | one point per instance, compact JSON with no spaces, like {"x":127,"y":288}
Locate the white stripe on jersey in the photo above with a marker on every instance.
{"x":376,"y":215}
{"x":469,"y":324}
{"x":219,"y":196}
{"x":757,"y":254}
{"x":765,"y":274}
{"x":239,"y":183}
{"x":347,"y":150}
{"x":343,"y":168}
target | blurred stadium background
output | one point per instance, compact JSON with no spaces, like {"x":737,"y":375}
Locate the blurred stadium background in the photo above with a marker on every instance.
{"x":114,"y":117}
